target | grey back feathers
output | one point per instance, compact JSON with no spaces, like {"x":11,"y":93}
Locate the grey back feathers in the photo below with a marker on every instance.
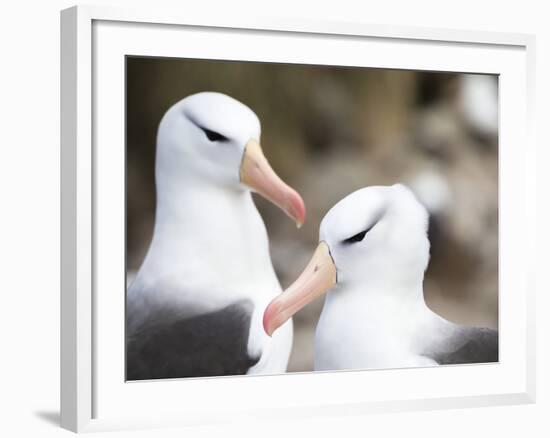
{"x":168,"y":345}
{"x":466,"y":345}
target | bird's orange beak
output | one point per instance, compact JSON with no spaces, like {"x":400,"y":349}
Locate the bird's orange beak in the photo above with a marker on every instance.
{"x":257,"y":174}
{"x":318,"y":277}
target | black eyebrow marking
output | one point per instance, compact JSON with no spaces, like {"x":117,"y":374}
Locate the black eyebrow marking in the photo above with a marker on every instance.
{"x":211,"y":135}
{"x":357,"y":237}
{"x":361,"y":235}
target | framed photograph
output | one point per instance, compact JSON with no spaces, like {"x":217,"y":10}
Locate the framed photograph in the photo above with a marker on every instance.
{"x":270,"y":219}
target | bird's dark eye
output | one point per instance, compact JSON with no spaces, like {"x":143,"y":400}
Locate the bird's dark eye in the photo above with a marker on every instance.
{"x":213,"y":135}
{"x":359,"y":236}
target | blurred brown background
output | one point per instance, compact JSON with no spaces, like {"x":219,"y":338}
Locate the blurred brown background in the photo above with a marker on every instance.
{"x":328,"y":131}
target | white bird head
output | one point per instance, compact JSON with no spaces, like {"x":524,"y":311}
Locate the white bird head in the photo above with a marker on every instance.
{"x":212,"y":139}
{"x":375,"y":237}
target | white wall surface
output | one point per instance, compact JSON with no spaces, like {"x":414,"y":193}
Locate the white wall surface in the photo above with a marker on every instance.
{"x":29,"y":216}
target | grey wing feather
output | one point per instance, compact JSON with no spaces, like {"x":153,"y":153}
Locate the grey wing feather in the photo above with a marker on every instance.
{"x":172,"y":346}
{"x":466,"y":345}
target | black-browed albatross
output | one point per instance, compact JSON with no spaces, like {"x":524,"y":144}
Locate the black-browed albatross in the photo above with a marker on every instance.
{"x":195,"y":307}
{"x":371,"y":259}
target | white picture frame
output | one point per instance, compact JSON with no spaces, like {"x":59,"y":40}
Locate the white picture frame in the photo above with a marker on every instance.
{"x":94,"y":41}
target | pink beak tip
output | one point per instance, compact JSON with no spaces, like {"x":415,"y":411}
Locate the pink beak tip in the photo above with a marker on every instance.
{"x":297,"y":209}
{"x":267,"y":318}
{"x":270,"y":320}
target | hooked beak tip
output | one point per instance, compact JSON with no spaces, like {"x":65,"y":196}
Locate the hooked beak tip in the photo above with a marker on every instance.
{"x":268,"y":314}
{"x":297,"y":209}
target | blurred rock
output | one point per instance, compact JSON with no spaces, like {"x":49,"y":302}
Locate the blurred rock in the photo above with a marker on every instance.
{"x":479,"y":102}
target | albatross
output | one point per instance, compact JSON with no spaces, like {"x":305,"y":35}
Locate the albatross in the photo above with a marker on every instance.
{"x":370,"y":261}
{"x":195,"y":306}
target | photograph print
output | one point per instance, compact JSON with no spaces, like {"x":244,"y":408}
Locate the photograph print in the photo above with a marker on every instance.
{"x":299,"y":218}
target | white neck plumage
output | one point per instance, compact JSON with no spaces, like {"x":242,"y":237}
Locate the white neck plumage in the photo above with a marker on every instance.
{"x":209,"y":238}
{"x":380,"y":291}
